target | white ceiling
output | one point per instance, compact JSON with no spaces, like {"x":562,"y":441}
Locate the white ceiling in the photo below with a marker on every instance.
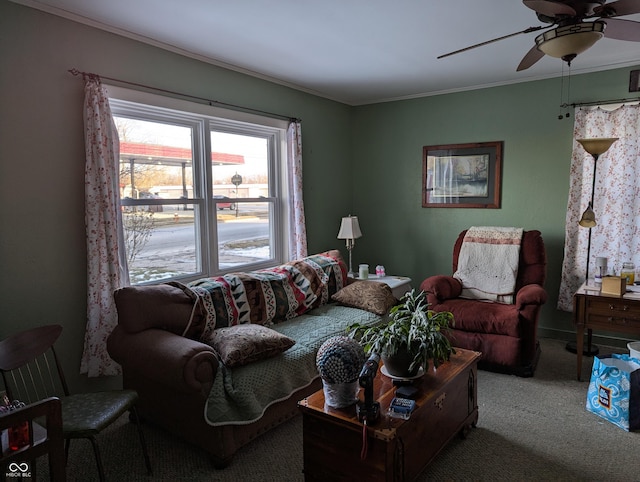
{"x":353,"y":51}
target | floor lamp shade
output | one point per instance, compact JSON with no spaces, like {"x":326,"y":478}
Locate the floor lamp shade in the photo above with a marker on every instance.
{"x":598,"y":145}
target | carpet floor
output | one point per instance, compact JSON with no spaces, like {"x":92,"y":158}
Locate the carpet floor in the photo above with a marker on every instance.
{"x":528,"y":429}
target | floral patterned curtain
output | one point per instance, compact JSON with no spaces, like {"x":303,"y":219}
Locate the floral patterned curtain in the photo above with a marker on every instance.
{"x":106,"y":263}
{"x":297,"y":226}
{"x":616,"y":200}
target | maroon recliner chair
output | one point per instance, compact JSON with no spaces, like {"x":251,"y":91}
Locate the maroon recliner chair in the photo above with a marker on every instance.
{"x":505,"y":334}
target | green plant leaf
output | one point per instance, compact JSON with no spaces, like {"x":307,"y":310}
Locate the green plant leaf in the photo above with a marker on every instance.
{"x":414,"y":326}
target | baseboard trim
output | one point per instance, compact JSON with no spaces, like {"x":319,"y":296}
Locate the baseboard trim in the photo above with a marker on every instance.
{"x":596,"y":339}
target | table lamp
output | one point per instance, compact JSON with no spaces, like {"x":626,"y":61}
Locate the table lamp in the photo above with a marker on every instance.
{"x":350,"y":230}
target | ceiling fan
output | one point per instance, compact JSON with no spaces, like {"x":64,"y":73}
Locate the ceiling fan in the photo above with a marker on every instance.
{"x":571,"y":34}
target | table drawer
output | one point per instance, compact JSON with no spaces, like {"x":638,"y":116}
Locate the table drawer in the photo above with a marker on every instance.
{"x":614,"y":319}
{"x":615,"y":307}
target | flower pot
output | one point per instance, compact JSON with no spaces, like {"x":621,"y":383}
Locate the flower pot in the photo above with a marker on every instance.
{"x":398,"y":364}
{"x":339,"y":395}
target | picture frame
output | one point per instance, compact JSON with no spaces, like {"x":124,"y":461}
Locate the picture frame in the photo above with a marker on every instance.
{"x":462,"y":175}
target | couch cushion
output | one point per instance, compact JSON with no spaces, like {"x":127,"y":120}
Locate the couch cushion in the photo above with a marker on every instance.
{"x":483,"y":317}
{"x":242,"y":344}
{"x":271,"y":295}
{"x":165,"y":306}
{"x":371,"y":296}
{"x":240,"y":395}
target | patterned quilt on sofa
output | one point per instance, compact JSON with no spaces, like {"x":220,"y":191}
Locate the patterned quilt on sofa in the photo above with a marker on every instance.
{"x":267,"y":296}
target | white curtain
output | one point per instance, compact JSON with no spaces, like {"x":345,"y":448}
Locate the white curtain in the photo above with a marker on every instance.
{"x":297,"y":226}
{"x":616,"y":200}
{"x":106,"y":263}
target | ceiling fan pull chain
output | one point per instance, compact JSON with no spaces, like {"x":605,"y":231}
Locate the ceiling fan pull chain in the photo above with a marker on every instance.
{"x":567,"y":103}
{"x":568,"y":93}
{"x":561,"y":93}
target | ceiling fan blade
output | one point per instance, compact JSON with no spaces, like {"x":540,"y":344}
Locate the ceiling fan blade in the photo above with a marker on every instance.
{"x":531,"y":58}
{"x":548,"y":8}
{"x":527,"y":30}
{"x":620,"y":29}
{"x":618,"y":9}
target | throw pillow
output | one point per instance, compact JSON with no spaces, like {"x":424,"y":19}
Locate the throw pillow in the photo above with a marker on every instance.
{"x":371,"y":296}
{"x":241,"y":344}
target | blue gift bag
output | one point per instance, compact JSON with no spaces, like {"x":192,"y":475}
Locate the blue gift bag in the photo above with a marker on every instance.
{"x":614,"y":390}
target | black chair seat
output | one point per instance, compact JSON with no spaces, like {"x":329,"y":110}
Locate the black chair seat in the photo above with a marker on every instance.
{"x":87,"y":414}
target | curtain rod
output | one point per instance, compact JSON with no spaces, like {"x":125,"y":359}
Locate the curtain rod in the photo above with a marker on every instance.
{"x":602,"y":102}
{"x":210,"y":102}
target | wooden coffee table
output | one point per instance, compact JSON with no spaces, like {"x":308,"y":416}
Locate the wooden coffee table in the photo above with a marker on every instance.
{"x":397,"y":449}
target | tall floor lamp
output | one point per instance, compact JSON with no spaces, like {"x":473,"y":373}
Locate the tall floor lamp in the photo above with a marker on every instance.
{"x":350,"y":230}
{"x":596,"y":147}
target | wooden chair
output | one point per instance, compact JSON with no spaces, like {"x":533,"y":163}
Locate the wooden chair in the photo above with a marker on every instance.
{"x":31,"y":371}
{"x":41,"y":441}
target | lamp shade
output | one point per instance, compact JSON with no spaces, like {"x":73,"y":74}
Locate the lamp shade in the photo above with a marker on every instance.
{"x":349,"y":228}
{"x":588,"y":219}
{"x":597,"y":145}
{"x":570,"y":40}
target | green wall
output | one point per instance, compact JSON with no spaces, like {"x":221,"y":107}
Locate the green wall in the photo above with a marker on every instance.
{"x":361,"y":160}
{"x":42,"y":238}
{"x":418,"y":242}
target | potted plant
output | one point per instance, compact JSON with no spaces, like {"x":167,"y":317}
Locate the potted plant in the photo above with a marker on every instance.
{"x":412,"y":337}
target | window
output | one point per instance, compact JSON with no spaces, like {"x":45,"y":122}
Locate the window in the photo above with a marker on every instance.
{"x":202,"y":189}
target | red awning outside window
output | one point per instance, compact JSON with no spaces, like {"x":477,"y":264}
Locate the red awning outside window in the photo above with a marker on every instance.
{"x":156,"y":154}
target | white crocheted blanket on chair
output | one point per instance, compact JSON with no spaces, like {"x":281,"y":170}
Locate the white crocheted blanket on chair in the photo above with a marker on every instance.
{"x":488,"y":263}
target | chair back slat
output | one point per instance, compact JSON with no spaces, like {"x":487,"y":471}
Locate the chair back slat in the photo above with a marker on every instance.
{"x":35,"y":373}
{"x":34,"y":381}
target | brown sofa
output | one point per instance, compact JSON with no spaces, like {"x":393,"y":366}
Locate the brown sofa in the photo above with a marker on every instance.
{"x":505,"y":334}
{"x":181,"y":380}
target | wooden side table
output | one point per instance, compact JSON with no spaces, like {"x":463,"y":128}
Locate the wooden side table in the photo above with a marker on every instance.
{"x":594,"y":311}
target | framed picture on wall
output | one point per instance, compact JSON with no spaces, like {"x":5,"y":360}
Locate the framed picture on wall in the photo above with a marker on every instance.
{"x":462,"y":175}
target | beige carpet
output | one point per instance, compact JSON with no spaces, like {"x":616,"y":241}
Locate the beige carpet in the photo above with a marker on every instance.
{"x":528,"y":429}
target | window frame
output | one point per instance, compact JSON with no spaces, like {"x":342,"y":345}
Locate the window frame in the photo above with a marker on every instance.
{"x":203,"y":120}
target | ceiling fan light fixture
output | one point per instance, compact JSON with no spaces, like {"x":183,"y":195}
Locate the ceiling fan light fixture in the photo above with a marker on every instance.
{"x":570,"y":40}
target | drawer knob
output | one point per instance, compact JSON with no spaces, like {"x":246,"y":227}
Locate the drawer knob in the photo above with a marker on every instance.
{"x":619,"y":321}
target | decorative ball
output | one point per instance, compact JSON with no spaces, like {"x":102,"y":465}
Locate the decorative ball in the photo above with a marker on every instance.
{"x":340,"y":360}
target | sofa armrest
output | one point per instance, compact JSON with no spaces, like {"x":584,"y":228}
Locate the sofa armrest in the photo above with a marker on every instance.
{"x":532,"y":294}
{"x":180,"y":363}
{"x":440,"y":288}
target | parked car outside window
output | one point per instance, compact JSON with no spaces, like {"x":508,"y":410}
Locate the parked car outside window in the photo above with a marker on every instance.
{"x":224,"y":205}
